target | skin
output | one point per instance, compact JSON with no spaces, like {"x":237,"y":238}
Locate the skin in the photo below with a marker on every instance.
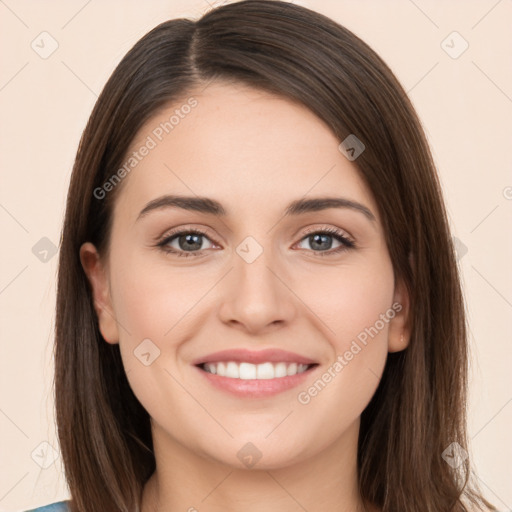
{"x":254,"y":153}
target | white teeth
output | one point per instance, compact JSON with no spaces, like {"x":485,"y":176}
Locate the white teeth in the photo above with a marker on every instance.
{"x":246,"y":371}
{"x":210,"y":368}
{"x":265,"y":371}
{"x":280,"y":370}
{"x":292,"y":369}
{"x":232,"y":371}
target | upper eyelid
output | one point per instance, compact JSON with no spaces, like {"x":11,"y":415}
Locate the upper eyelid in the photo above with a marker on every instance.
{"x":335,"y":230}
{"x":186,"y":229}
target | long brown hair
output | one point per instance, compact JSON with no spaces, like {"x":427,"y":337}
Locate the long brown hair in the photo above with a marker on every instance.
{"x":419,"y":408}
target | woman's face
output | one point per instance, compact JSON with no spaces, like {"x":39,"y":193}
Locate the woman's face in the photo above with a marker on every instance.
{"x":263,"y":282}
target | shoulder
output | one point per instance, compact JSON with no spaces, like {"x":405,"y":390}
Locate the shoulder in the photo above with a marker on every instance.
{"x":59,"y":506}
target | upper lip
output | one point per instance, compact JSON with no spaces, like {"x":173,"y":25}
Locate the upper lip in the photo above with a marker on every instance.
{"x":254,"y":356}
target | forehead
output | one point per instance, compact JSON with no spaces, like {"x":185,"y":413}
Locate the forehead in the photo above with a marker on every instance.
{"x":241,"y":145}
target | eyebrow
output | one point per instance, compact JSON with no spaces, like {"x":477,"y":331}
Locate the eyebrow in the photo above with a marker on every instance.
{"x":213,"y":207}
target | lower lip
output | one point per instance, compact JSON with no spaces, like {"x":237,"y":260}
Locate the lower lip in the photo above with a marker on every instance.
{"x":254,"y":388}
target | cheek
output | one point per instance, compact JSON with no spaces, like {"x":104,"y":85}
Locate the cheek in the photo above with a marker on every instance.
{"x":350,"y":298}
{"x":353,"y":307}
{"x":152,"y":299}
{"x":157,"y":303}
{"x":153,"y":302}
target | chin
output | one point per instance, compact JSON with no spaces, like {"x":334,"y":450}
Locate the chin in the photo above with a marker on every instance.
{"x":260,"y":455}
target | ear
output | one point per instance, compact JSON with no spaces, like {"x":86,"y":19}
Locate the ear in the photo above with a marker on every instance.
{"x":98,"y":278}
{"x":399,"y":333}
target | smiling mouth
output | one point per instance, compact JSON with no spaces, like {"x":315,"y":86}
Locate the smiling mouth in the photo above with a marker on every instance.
{"x":249,"y":371}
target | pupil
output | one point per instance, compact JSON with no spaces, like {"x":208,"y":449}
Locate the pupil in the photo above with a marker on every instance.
{"x":190,"y":240}
{"x":318,"y":239}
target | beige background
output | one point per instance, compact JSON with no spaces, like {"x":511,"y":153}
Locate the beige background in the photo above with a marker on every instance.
{"x":465,"y":104}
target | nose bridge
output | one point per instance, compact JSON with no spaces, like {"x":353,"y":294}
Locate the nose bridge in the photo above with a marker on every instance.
{"x":258,"y":296}
{"x":253,"y":268}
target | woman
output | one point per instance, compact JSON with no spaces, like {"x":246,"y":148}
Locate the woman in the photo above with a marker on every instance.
{"x":258,"y":303}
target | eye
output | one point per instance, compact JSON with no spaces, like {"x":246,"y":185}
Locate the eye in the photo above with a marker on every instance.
{"x":322,"y":239}
{"x":186,"y":242}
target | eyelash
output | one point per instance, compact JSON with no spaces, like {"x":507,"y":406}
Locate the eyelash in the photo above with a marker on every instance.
{"x":346,"y":242}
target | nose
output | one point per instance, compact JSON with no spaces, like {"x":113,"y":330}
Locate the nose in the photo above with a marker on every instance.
{"x":258,"y":298}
